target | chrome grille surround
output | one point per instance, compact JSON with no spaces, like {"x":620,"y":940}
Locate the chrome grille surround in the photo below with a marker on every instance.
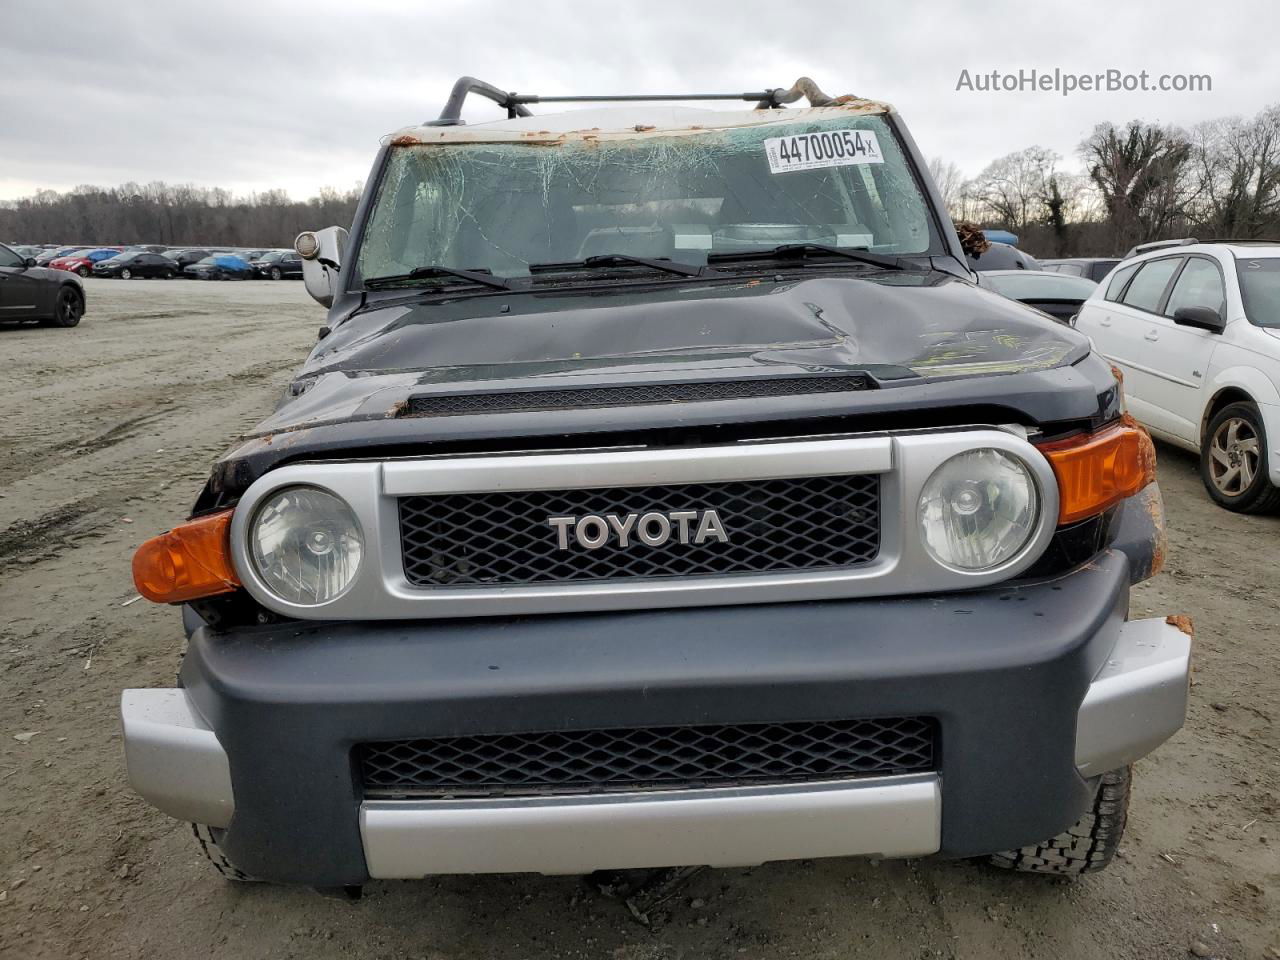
{"x":903,"y":460}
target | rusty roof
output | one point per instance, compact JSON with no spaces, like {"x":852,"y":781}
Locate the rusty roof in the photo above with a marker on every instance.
{"x":624,"y":123}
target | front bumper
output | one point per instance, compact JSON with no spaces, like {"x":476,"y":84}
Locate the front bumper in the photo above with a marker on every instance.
{"x":1036,"y":689}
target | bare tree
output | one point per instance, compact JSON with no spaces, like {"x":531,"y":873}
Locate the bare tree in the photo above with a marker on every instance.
{"x":950,"y":181}
{"x":1140,"y":171}
{"x":1237,"y":165}
{"x":1013,"y":189}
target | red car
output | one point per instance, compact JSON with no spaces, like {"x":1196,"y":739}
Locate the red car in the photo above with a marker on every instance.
{"x":81,"y":262}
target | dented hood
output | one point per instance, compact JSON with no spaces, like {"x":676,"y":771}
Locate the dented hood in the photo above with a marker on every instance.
{"x":898,"y":328}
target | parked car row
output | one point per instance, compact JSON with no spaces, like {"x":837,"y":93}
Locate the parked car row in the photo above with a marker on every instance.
{"x":155,"y":261}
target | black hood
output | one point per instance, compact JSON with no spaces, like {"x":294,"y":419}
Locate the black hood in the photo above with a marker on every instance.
{"x":918,"y":338}
{"x":911,"y":326}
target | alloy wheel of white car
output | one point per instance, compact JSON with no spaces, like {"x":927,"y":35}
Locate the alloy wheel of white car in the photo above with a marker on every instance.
{"x":1233,"y":456}
{"x":1233,"y":461}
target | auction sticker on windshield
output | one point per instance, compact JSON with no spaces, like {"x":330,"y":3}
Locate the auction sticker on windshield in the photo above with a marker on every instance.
{"x":829,"y":148}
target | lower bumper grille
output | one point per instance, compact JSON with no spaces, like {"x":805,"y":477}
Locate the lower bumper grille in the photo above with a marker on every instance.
{"x":647,"y":758}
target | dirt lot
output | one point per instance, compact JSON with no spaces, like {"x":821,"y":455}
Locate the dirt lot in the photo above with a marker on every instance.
{"x":108,"y":432}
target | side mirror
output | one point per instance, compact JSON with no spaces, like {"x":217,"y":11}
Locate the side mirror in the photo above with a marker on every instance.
{"x":29,"y":262}
{"x":321,"y":252}
{"x":1202,"y":318}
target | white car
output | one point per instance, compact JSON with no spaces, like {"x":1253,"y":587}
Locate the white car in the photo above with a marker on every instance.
{"x":1195,"y":329}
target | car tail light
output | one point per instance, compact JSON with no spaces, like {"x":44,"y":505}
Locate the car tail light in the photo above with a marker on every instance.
{"x":1100,"y":469}
{"x":190,"y":561}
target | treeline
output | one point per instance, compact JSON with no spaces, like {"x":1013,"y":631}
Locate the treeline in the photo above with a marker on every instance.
{"x":1141,"y":182}
{"x":172,"y":214}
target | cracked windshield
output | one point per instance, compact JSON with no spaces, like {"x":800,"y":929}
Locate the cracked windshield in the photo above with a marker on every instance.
{"x":502,"y":207}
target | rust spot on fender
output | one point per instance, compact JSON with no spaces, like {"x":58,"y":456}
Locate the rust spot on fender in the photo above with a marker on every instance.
{"x":1182,"y":622}
{"x":1159,"y":541}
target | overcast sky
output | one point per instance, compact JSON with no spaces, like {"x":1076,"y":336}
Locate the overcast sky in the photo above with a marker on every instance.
{"x":255,"y":96}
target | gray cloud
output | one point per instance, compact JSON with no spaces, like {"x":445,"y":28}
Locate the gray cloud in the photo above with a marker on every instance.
{"x":255,"y":96}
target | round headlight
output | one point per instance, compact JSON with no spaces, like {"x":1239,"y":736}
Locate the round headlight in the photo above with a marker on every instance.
{"x":978,"y":509}
{"x":306,"y":545}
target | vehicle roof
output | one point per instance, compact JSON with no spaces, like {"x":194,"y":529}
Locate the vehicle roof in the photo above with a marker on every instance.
{"x":631,"y":122}
{"x":1079,"y":259}
{"x":1042,"y":274}
{"x":1252,"y":249}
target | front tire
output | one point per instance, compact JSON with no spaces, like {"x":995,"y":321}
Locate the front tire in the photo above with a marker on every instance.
{"x":82,"y":271}
{"x":276,"y":274}
{"x":67,"y":309}
{"x":1089,"y":844}
{"x":1233,"y":461}
{"x":207,"y":837}
{"x":126,"y":274}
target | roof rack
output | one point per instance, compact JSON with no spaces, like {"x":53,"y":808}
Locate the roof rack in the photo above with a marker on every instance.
{"x":516,"y":104}
{"x":1158,"y":245}
{"x":1185,"y":241}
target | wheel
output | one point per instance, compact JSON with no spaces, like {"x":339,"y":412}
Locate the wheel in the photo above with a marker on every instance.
{"x":167,"y":275}
{"x":67,"y":309}
{"x":82,"y":271}
{"x":207,"y":837}
{"x":1088,"y":845}
{"x":1233,"y":461}
{"x":126,"y":274}
{"x":275,"y":273}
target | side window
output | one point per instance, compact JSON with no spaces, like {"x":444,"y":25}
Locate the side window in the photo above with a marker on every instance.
{"x":1148,"y":286}
{"x":1072,"y":269}
{"x":10,"y":259}
{"x":1199,"y":285}
{"x":1116,"y":286}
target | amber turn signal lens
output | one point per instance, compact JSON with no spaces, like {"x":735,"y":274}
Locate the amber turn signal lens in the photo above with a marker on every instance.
{"x":1100,"y":469}
{"x":188,"y":562}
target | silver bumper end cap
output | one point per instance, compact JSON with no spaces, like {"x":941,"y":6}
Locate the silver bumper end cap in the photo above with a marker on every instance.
{"x":174,"y":760}
{"x":1138,"y":700}
{"x":738,"y":826}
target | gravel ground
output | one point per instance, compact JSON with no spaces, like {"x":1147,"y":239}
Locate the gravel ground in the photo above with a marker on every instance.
{"x":108,"y":432}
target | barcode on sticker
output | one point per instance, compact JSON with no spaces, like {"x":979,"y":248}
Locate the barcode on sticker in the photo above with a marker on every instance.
{"x":830,"y":148}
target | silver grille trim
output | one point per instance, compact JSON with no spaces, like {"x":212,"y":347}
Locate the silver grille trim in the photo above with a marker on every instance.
{"x":904,"y":461}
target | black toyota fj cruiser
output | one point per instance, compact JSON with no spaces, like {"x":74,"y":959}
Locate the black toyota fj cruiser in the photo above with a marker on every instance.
{"x":662,"y":491}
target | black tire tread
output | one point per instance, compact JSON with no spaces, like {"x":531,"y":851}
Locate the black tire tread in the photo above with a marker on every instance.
{"x":213,"y":853}
{"x":56,"y":320}
{"x":1085,"y":847}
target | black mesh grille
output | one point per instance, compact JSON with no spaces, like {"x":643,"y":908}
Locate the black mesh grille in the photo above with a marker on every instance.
{"x":440,"y":406}
{"x":647,"y":758}
{"x":771,"y":525}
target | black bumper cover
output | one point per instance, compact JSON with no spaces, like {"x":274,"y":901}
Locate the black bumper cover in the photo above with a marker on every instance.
{"x":1003,"y":670}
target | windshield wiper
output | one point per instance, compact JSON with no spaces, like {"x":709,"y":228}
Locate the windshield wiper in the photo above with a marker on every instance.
{"x":618,"y":259}
{"x":435,"y":271}
{"x":804,"y":251}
